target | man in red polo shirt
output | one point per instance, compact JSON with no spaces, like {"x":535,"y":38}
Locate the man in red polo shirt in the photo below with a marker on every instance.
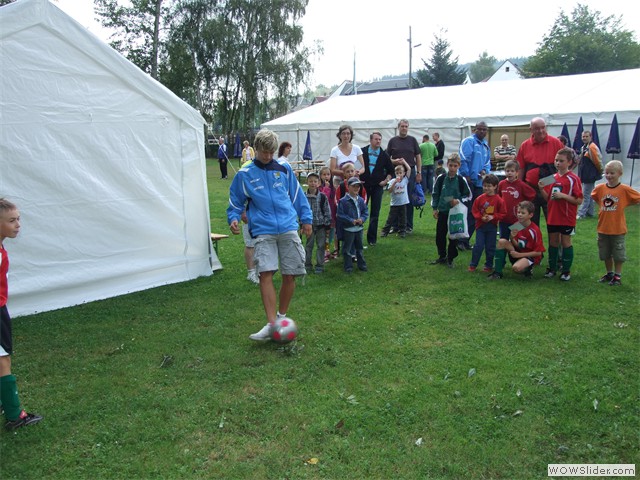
{"x":536,"y":157}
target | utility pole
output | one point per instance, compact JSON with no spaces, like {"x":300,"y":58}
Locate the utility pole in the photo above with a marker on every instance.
{"x":411,"y":47}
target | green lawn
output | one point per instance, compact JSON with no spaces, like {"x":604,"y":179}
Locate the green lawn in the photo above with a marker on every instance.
{"x":408,"y":371}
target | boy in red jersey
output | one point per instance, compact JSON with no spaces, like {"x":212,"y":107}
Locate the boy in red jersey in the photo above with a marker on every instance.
{"x":525,"y":247}
{"x":612,"y":198}
{"x":487,"y":210}
{"x":563,"y":196}
{"x":512,"y":190}
{"x":13,"y":412}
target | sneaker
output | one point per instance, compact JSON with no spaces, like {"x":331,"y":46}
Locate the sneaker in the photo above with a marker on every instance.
{"x":450,"y":264}
{"x":471,"y":268}
{"x":392,"y":230}
{"x":549,"y":273}
{"x":494,"y":276}
{"x":528,"y":273}
{"x":384,"y":234}
{"x":616,"y":281}
{"x":363,"y":268}
{"x":23,"y":420}
{"x":348,"y":270}
{"x":566,"y":276}
{"x":252,"y":276}
{"x":487,"y":269}
{"x":403,"y":235}
{"x":606,"y":278}
{"x":409,"y":230}
{"x":318,"y":270}
{"x":438,"y":261}
{"x":263,"y":335}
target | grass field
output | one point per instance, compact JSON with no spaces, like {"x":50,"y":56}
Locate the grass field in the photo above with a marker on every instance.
{"x":408,"y":371}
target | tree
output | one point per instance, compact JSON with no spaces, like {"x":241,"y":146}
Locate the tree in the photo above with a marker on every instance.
{"x":247,"y":57}
{"x":482,"y":68}
{"x":137,"y":29}
{"x":441,"y":70}
{"x":585,"y":43}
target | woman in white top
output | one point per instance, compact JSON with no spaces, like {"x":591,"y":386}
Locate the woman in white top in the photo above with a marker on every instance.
{"x":345,"y":152}
{"x":283,"y":151}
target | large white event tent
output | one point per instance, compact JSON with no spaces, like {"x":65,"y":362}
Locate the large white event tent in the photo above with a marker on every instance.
{"x":452,"y":111}
{"x":105,"y":164}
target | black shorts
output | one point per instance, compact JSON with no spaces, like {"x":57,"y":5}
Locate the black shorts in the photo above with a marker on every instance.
{"x":6,"y":341}
{"x":561,"y":229}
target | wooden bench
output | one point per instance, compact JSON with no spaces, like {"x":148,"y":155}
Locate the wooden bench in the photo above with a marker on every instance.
{"x":214,"y":239}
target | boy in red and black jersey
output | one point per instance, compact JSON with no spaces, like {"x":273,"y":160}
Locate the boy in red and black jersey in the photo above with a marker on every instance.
{"x":524,"y":246}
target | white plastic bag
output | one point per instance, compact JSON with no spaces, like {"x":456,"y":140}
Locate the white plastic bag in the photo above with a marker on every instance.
{"x":458,"y":228}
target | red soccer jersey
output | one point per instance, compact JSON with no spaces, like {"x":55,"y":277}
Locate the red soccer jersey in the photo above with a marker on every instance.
{"x":529,"y":239}
{"x":512,"y":194}
{"x":4,"y":268}
{"x":561,"y":212}
{"x":488,"y":205}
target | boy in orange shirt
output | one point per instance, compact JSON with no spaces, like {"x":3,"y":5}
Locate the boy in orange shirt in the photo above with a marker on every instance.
{"x":612,"y":198}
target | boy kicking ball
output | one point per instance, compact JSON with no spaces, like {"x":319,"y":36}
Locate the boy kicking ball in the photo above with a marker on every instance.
{"x":524,"y":246}
{"x":612,"y":198}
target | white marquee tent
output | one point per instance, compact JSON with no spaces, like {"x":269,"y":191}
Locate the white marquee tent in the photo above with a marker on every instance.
{"x":106,"y":166}
{"x":453,"y":110}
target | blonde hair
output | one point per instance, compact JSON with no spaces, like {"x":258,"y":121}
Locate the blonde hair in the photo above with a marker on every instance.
{"x":266,"y":141}
{"x":615,"y":165}
{"x":324,"y":169}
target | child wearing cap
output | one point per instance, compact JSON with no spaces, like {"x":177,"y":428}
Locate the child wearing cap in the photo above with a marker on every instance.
{"x":321,"y":223}
{"x":351,"y":215}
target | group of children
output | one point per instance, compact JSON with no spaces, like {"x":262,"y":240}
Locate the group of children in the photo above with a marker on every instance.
{"x":503,"y":218}
{"x":507,"y":207}
{"x":340,"y":210}
{"x":339,"y":213}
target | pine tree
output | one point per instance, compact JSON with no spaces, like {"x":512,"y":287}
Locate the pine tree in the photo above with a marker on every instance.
{"x":441,"y":70}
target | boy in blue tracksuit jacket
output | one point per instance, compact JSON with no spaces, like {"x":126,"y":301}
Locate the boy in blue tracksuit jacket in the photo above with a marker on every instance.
{"x":351,"y":215}
{"x":274,"y":202}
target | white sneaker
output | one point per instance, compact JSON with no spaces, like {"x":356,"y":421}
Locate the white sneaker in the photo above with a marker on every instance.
{"x":263,"y":335}
{"x":252,"y":276}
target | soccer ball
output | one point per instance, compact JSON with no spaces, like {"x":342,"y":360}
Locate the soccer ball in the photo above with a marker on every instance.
{"x":284,"y":330}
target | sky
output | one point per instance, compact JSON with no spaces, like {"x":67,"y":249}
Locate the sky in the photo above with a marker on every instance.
{"x":377,"y":32}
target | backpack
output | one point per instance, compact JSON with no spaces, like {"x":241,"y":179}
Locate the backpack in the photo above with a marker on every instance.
{"x":417,"y":198}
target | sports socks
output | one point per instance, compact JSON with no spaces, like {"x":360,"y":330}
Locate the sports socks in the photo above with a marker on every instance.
{"x":500,"y":259}
{"x":9,"y":396}
{"x":553,"y":258}
{"x":567,"y":258}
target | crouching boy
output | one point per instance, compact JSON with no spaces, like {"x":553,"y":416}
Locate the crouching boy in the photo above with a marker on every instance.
{"x":524,"y":246}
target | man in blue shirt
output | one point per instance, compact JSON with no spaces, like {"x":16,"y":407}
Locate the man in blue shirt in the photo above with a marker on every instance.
{"x":475,"y":156}
{"x":378,"y":170}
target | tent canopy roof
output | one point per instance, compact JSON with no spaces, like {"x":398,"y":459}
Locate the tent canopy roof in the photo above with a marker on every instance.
{"x":494,"y":102}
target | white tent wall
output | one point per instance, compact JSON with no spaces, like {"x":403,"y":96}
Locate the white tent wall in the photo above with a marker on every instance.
{"x":106,"y":166}
{"x":451,"y":111}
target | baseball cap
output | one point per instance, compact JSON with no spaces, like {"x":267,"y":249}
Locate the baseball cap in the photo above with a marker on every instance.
{"x":354,"y":181}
